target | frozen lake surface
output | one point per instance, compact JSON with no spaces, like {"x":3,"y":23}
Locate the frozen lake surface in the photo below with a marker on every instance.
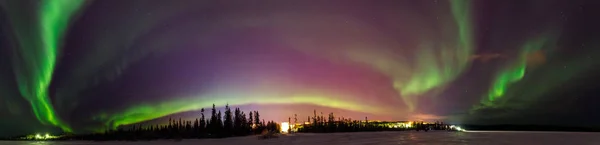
{"x":374,"y":138}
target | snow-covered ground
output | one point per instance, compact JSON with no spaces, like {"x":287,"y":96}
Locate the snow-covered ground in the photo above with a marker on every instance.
{"x":375,"y":138}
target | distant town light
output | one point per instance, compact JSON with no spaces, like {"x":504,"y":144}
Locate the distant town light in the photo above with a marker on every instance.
{"x":40,"y":137}
{"x":457,"y":128}
{"x":284,"y":127}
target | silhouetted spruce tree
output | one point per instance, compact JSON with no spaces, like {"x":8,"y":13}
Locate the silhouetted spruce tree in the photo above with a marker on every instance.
{"x":228,"y":122}
{"x":251,"y":118}
{"x":315,"y":118}
{"x":219,"y":124}
{"x":331,"y":123}
{"x":180,"y":124}
{"x":189,"y":129}
{"x":170,"y":123}
{"x":213,"y":125}
{"x":366,"y":122}
{"x":196,"y":128}
{"x":256,"y":118}
{"x":245,"y":126}
{"x":202,"y":128}
{"x":271,"y":126}
{"x":322,"y":119}
{"x":237,"y":122}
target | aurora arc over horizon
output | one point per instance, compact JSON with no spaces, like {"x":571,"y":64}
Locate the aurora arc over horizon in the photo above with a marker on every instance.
{"x":90,"y":69}
{"x":427,"y":76}
{"x":147,"y":112}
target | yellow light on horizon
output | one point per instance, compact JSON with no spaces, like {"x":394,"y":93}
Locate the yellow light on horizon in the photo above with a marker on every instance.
{"x":284,"y":127}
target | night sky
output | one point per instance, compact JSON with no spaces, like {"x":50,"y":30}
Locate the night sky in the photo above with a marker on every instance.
{"x":85,"y":66}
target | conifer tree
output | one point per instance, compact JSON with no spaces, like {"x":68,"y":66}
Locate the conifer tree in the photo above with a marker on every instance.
{"x":213,"y":125}
{"x":202,"y":121}
{"x":251,"y":118}
{"x":237,"y":122}
{"x":228,"y":121}
{"x":256,"y":118}
{"x":219,"y":121}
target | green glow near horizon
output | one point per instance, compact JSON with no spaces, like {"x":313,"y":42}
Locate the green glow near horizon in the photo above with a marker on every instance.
{"x":436,"y":65}
{"x":38,"y":53}
{"x":145,"y":112}
{"x":441,"y":55}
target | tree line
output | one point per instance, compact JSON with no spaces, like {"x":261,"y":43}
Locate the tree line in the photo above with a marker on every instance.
{"x":227,"y":124}
{"x":236,"y":123}
{"x":321,"y":124}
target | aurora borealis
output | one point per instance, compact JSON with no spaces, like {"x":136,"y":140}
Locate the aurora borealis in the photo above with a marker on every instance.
{"x":35,"y":59}
{"x":84,"y":66}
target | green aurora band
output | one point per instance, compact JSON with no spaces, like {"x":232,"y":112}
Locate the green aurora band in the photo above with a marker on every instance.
{"x":441,"y":57}
{"x":513,"y":73}
{"x":520,"y":81}
{"x":432,"y":73}
{"x":144,"y":112}
{"x":565,"y":70}
{"x":116,"y":53}
{"x":37,"y":55}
